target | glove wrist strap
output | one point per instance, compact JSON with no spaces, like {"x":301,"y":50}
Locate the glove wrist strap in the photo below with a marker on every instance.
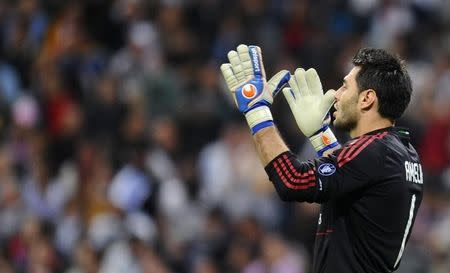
{"x":259,"y":118}
{"x":323,"y":140}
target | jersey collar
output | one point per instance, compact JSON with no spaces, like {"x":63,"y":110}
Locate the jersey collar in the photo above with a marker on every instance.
{"x":402,"y":132}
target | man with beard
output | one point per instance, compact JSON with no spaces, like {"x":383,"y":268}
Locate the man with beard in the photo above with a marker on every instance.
{"x":370,"y":188}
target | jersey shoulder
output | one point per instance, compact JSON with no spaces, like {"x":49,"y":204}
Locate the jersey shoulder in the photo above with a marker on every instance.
{"x":367,"y":149}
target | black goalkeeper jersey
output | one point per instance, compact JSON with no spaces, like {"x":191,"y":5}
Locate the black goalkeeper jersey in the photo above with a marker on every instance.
{"x":370,"y":191}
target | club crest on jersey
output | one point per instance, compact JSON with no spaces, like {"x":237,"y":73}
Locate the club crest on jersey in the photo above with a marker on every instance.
{"x":327,"y":169}
{"x":249,"y":91}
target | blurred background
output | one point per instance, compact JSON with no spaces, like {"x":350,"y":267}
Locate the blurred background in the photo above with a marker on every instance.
{"x":121,"y":150}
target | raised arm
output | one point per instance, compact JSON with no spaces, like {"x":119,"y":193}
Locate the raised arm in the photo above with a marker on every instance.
{"x":246,"y":79}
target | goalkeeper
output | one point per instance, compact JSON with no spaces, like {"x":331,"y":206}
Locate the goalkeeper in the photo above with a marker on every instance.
{"x":369,"y":188}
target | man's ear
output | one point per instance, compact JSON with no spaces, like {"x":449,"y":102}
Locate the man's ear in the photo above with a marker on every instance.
{"x":368,"y":99}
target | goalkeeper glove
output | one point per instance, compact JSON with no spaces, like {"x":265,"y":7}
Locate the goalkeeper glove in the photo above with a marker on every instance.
{"x":246,"y":79}
{"x":310,"y":108}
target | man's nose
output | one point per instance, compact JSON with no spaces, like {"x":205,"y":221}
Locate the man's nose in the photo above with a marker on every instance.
{"x":338,"y":93}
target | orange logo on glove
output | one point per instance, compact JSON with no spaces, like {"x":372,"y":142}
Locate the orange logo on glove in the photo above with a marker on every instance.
{"x":249,"y":91}
{"x":325,"y":139}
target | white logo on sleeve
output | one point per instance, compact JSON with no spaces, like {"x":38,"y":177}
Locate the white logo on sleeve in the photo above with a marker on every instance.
{"x":327,"y":169}
{"x":413,"y":172}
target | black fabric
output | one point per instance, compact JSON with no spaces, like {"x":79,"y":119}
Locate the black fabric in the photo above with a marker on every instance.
{"x":369,"y":190}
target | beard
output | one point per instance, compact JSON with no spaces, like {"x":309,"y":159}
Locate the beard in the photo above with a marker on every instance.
{"x":349,"y":116}
{"x":346,"y":123}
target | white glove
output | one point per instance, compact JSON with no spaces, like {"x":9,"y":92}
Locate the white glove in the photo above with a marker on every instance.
{"x":246,"y":79}
{"x":310,"y":108}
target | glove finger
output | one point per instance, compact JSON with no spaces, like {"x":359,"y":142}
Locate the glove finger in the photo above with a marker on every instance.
{"x":313,"y":81}
{"x":290,"y":97}
{"x":256,"y":61}
{"x":278,"y":81}
{"x":294,"y":87}
{"x":229,"y":76}
{"x":251,"y":60}
{"x":328,"y":100}
{"x":300,"y":78}
{"x":236,"y":64}
{"x":246,"y":63}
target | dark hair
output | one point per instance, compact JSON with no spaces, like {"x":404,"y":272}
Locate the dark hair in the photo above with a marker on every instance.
{"x":386,"y":74}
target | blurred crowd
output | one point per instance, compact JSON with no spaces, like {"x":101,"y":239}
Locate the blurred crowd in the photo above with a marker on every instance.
{"x":122,"y":152}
